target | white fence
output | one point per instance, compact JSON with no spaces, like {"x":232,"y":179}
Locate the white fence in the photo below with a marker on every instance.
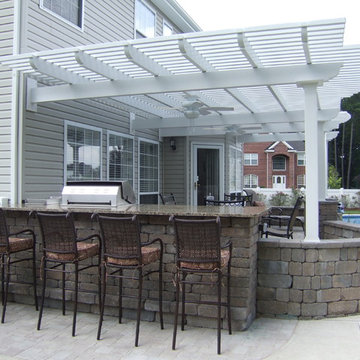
{"x":350,"y":198}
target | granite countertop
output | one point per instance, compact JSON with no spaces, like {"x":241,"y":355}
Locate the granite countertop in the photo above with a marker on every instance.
{"x":142,"y":209}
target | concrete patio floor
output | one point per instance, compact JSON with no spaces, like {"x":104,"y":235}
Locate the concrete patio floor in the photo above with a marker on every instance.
{"x":271,"y":339}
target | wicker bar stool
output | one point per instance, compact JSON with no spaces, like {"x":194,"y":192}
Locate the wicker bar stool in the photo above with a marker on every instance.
{"x":11,"y":243}
{"x":122,"y":250}
{"x":62,"y":247}
{"x":198,"y":251}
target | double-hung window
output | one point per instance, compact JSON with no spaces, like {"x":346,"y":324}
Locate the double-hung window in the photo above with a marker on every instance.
{"x":250,"y":181}
{"x":69,"y":10}
{"x":279,"y":162}
{"x":144,"y":20}
{"x":301,"y":159}
{"x":251,"y":159}
{"x":120,"y":157}
{"x":148,"y":171}
{"x":82,"y":152}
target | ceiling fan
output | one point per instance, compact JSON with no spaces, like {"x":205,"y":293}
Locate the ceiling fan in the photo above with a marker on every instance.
{"x":193,"y":107}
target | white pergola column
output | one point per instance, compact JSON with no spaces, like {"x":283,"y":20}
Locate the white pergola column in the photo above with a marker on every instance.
{"x":312,"y":161}
{"x":322,"y":161}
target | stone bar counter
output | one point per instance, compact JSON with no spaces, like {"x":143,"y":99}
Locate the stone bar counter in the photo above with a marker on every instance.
{"x":239,"y":224}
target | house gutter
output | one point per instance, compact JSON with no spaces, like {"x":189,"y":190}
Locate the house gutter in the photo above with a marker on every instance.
{"x":177,"y":15}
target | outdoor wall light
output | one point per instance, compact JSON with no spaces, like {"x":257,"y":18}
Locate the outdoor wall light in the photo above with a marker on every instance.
{"x":172,"y":143}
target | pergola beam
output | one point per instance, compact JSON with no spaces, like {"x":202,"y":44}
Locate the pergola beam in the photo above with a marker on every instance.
{"x":278,"y":117}
{"x":188,"y":82}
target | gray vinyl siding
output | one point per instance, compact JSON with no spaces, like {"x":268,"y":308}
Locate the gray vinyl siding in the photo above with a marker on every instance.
{"x":104,"y":21}
{"x":6,"y":46}
{"x":174,"y":169}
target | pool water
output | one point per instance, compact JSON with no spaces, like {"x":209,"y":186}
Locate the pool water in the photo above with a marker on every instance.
{"x":354,"y":219}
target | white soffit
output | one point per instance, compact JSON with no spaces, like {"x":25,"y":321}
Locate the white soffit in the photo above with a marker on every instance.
{"x":256,"y":71}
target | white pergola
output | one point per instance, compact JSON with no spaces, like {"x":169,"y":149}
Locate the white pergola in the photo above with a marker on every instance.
{"x":284,"y":82}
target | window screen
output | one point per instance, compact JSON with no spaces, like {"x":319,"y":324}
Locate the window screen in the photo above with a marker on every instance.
{"x":121,"y":162}
{"x":149,"y":167}
{"x":144,"y":20}
{"x":70,"y":10}
{"x":83,"y":153}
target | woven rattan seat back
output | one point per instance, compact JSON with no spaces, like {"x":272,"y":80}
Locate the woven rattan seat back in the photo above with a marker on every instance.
{"x":58,"y":232}
{"x":4,"y":242}
{"x":121,"y":237}
{"x":294,"y":213}
{"x":168,"y":199}
{"x":198,"y":241}
{"x":11,"y":243}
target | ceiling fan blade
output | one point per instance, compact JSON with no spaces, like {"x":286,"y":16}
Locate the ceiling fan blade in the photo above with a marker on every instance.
{"x":204,"y":111}
{"x":219,"y":108}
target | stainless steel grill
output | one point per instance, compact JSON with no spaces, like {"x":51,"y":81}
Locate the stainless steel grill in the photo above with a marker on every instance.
{"x":98,"y":193}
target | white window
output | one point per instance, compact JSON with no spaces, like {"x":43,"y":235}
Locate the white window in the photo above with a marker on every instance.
{"x":301,"y":159}
{"x":251,"y":159}
{"x":82,"y":152}
{"x":148,"y":171}
{"x":250,"y":181}
{"x":279,"y":162}
{"x":120,"y":157}
{"x":69,"y":10}
{"x":301,"y":181}
{"x":144,"y":20}
{"x":235,"y":155}
{"x":167,"y":29}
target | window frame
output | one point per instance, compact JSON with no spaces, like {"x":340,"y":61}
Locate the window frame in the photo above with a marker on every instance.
{"x":81,"y":28}
{"x":140,"y":193}
{"x":87,"y":127}
{"x":303,"y":176}
{"x":168,"y":25}
{"x":302,"y":154}
{"x":117,"y":134}
{"x":151,"y":9}
{"x":253,"y":157}
{"x":278,"y":157}
{"x":251,"y":177}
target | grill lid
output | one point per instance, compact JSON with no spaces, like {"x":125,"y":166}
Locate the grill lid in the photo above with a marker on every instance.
{"x":98,"y":193}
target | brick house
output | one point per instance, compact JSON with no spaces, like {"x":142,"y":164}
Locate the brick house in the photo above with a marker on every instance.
{"x":277,"y":164}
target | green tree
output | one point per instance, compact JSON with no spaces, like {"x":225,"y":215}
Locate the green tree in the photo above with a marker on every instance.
{"x":344,"y":151}
{"x":334,"y":181}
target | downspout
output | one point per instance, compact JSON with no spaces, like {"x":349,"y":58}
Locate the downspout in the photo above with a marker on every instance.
{"x":16,"y":143}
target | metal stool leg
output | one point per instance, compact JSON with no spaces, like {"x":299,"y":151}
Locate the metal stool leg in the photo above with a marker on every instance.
{"x":42,"y":294}
{"x":138,"y":308}
{"x":176,"y":312}
{"x":7,"y":279}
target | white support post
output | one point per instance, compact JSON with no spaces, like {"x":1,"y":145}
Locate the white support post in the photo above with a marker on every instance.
{"x":312,"y":157}
{"x":322,"y":161}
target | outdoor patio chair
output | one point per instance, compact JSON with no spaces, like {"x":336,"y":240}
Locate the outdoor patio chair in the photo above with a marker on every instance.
{"x":124,"y":255}
{"x":198,"y":251}
{"x":13,"y":243}
{"x":291,"y":220}
{"x":168,"y":199}
{"x":64,"y":251}
{"x":276,"y":215}
{"x":224,"y":202}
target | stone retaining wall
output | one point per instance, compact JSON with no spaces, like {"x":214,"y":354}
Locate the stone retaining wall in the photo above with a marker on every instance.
{"x":308,"y":279}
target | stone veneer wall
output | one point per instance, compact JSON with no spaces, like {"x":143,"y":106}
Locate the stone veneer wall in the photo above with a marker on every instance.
{"x":308,"y":279}
{"x":242,"y":232}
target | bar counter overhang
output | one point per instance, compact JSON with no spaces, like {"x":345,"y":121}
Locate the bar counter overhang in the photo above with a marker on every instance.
{"x":238,"y":224}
